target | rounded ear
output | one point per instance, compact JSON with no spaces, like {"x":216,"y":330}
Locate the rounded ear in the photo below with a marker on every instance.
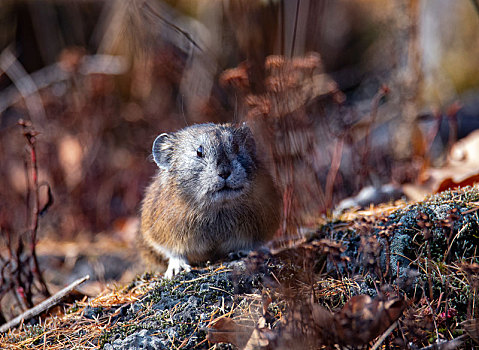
{"x":248,"y":137}
{"x":162,"y":150}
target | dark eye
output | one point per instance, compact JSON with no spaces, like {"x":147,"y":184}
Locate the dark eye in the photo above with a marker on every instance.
{"x":235,"y":148}
{"x":199,"y":152}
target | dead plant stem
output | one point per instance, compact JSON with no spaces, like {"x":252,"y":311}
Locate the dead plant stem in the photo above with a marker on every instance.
{"x":43,"y":306}
{"x":30,"y":137}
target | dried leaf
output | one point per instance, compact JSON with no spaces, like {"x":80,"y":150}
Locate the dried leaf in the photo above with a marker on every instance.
{"x":308,"y":325}
{"x":49,"y":199}
{"x":362,"y":318}
{"x":236,"y":78}
{"x":260,"y":340}
{"x":226,"y":330}
{"x":462,"y":170}
{"x":471,"y":327}
{"x":449,"y":183}
{"x":471,"y":269}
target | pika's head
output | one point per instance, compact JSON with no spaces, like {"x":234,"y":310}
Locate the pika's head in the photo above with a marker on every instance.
{"x":210,"y":164}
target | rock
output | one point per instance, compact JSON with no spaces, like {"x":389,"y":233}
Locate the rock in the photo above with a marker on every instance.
{"x":144,"y":340}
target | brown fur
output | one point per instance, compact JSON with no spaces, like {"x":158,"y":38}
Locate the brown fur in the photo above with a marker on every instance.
{"x":206,"y":232}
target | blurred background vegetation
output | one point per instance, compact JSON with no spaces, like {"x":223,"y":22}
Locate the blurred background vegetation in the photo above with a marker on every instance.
{"x":342,"y":95}
{"x":390,"y":86}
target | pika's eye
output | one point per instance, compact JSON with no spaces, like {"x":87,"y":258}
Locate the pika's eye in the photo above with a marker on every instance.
{"x":235,"y":148}
{"x":199,"y":152}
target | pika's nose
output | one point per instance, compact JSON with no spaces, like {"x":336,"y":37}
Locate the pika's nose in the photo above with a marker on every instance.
{"x":224,"y":171}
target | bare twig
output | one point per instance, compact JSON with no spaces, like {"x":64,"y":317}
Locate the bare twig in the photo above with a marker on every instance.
{"x":383,"y":91}
{"x":43,"y":78}
{"x":147,"y":7}
{"x":30,"y":136}
{"x":475,"y":3}
{"x":451,"y":114}
{"x":24,"y":83}
{"x":44,"y":305}
{"x":333,"y":171}
{"x":296,"y":15}
{"x":384,"y":336}
{"x":448,"y":344}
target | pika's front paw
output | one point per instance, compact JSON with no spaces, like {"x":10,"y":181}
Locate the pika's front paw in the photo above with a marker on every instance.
{"x":239,"y":254}
{"x":175,"y":266}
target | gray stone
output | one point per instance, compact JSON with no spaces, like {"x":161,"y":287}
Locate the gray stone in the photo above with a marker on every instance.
{"x":141,"y":340}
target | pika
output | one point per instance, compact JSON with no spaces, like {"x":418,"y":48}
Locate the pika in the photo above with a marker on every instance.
{"x":212,"y":195}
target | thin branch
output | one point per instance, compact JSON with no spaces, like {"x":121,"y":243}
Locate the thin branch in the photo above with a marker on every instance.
{"x":475,"y":3}
{"x":333,"y":171}
{"x":30,"y":136}
{"x":44,"y":305}
{"x":296,"y":15}
{"x":148,"y":6}
{"x":384,"y":336}
{"x":383,"y":91}
{"x":91,"y":64}
{"x":448,"y":344}
{"x":24,"y":83}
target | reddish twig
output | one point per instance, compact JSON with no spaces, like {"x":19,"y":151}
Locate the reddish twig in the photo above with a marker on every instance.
{"x":451,"y":114}
{"x":20,"y":272}
{"x":333,"y":171}
{"x":44,"y":305}
{"x":30,"y":134}
{"x":383,"y":91}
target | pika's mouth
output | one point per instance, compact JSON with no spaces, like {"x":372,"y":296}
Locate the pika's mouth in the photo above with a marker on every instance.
{"x":226,"y":192}
{"x":228,"y":189}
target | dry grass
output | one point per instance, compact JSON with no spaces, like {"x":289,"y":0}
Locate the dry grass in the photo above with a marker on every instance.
{"x":71,"y":329}
{"x":313,"y":292}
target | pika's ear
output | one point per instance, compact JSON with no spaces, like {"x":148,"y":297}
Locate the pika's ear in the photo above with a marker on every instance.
{"x":248,"y":138}
{"x":162,"y":151}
